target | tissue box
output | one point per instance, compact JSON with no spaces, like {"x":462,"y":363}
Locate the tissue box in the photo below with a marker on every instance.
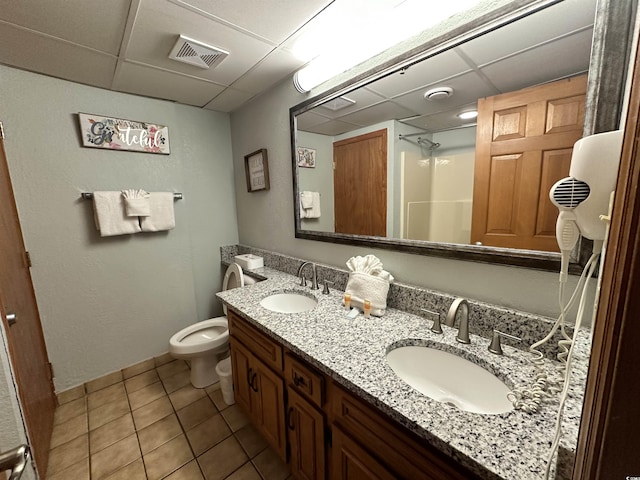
{"x":248,"y":261}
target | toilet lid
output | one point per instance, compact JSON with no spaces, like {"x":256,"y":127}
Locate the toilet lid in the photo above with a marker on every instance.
{"x":233,"y":278}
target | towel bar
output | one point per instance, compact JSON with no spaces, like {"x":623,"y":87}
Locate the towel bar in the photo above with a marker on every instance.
{"x":89,"y":196}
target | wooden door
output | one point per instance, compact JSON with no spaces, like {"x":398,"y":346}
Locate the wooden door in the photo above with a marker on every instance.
{"x":524,"y":142}
{"x":27,"y":349}
{"x":306,"y":438}
{"x":352,"y":462}
{"x":241,"y":372}
{"x":268,"y":410}
{"x":360,"y":184}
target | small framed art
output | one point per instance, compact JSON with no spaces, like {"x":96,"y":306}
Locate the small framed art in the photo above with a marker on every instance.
{"x":256,"y":168}
{"x":306,"y":157}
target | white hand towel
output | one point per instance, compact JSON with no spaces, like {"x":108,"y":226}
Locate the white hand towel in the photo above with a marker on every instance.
{"x":136,"y":203}
{"x":162,"y":215}
{"x":306,"y":199}
{"x":109,"y":215}
{"x":363,"y":286}
{"x":314,"y":211}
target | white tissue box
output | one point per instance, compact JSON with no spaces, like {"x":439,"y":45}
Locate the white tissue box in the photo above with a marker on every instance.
{"x":248,"y":261}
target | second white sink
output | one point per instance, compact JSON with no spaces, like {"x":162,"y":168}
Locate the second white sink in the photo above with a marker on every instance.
{"x":288,"y":303}
{"x":450,"y":379}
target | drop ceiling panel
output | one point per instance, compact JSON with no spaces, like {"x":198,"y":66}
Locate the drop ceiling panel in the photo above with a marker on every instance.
{"x":447,"y":64}
{"x":333,"y":127}
{"x":379,"y":113}
{"x":540,"y":27}
{"x":441,"y":121}
{"x":268,"y":72}
{"x":156,"y":30}
{"x":94,"y":23}
{"x":272,"y":20}
{"x":308,"y":120}
{"x":552,"y":61}
{"x":143,"y":80}
{"x":363,"y":98}
{"x":228,"y":100}
{"x":24,"y":49}
{"x":466,"y":89}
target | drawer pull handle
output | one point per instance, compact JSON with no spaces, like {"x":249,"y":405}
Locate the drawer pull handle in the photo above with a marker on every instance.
{"x":290,"y":423}
{"x":249,"y":376}
{"x":254,"y":382}
{"x":298,"y":380}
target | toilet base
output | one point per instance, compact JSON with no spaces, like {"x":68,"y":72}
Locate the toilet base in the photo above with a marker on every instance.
{"x":203,"y":368}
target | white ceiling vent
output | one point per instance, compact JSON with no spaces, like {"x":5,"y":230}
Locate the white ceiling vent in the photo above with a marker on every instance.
{"x":338,"y":103}
{"x":196,"y":53}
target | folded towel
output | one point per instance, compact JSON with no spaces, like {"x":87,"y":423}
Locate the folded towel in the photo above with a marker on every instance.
{"x":314,"y":210}
{"x":368,"y":281}
{"x":109,"y":215}
{"x":162,"y":216}
{"x":136,"y":203}
{"x":306,"y":199}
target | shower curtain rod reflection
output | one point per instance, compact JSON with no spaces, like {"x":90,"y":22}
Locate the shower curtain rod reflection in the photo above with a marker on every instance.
{"x":421,"y":141}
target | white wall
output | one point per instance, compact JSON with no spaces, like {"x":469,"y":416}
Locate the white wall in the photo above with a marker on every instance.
{"x":265,"y":220}
{"x":106,"y":303}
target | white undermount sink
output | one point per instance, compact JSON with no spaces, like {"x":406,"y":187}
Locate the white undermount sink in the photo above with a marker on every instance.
{"x":451,"y":379}
{"x":288,"y":303}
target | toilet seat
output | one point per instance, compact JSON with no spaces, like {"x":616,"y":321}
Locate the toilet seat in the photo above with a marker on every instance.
{"x":233,"y":278}
{"x":200,"y":337}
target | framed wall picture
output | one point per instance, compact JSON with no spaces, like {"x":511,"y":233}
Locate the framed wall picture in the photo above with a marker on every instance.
{"x":256,"y":167}
{"x":306,"y":157}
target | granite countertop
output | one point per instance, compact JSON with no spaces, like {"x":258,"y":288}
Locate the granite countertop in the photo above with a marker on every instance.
{"x":512,"y":445}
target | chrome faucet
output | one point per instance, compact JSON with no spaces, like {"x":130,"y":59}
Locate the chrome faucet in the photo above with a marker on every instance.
{"x":314,"y":276}
{"x":462,"y":306}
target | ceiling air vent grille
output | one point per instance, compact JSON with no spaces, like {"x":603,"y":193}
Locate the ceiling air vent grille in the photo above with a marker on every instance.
{"x":196,"y":53}
{"x":338,"y":103}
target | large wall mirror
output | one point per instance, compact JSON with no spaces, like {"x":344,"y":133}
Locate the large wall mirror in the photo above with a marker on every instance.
{"x":397,"y":161}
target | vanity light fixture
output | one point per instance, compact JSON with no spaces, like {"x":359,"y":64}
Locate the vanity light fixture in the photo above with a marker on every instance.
{"x":468,"y":115}
{"x":438,"y":93}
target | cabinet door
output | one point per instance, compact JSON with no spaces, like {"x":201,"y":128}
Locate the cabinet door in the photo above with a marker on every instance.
{"x":268,"y":409}
{"x":349,"y":461}
{"x":242,"y":373}
{"x":306,"y":438}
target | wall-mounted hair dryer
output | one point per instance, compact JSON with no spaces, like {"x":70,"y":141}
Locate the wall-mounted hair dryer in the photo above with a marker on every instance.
{"x":584,"y":195}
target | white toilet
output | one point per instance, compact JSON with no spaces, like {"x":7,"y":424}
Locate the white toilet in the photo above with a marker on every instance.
{"x":204,"y":343}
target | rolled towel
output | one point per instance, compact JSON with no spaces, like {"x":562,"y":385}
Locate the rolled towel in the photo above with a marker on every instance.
{"x":368,"y":264}
{"x":363,"y":286}
{"x":109,"y":215}
{"x":136,"y":203}
{"x":162,"y":215}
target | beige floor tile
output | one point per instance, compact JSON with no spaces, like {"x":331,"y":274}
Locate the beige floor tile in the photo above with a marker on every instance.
{"x":167,"y":458}
{"x":77,"y":471}
{"x":185,"y":396}
{"x":70,"y":410}
{"x":252,"y":442}
{"x":68,"y":454}
{"x":220,"y":461}
{"x":159,"y":433}
{"x":106,"y":413}
{"x":139,"y":381}
{"x":67,"y":431}
{"x":208,"y":434}
{"x":152,"y":412}
{"x":138,"y":368}
{"x":246,"y":472}
{"x":114,"y":457}
{"x":177,"y":381}
{"x":218,"y":401}
{"x":235,"y":417}
{"x":102,"y":382}
{"x":163,"y":359}
{"x":196,"y":412}
{"x":145,"y":395}
{"x":111,"y":433}
{"x":271,"y":466}
{"x":133,"y":471}
{"x":71,"y":394}
{"x":107,"y":395}
{"x":169,"y":369}
{"x":191,"y":471}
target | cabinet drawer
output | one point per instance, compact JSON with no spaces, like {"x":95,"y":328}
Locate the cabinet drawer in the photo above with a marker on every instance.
{"x":392,"y":445}
{"x":304,"y":379}
{"x":258,"y":343}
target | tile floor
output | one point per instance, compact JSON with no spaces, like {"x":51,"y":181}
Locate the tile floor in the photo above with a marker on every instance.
{"x":147,"y":422}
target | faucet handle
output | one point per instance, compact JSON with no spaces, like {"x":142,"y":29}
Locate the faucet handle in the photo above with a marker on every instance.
{"x":326,"y":284}
{"x":303,"y":280}
{"x":495,"y":346}
{"x":436,"y":327}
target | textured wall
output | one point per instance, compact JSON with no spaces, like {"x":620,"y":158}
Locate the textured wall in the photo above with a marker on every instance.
{"x":106,"y":303}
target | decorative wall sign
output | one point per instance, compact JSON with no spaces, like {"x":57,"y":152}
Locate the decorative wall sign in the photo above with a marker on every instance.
{"x":119,"y":134}
{"x":306,"y":157}
{"x":257,"y":169}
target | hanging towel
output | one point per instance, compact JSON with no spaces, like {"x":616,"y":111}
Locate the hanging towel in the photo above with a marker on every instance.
{"x":136,"y":203}
{"x":109,"y":215}
{"x":314,"y":210}
{"x":162,"y":216}
{"x":368,"y":281}
{"x":306,"y":199}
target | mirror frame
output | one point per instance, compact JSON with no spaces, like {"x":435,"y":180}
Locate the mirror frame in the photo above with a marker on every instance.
{"x":608,"y":65}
